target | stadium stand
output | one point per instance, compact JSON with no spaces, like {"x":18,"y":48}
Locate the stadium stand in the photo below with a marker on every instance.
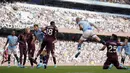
{"x":21,"y":15}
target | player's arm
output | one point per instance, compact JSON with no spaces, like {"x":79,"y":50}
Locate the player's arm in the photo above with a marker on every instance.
{"x":103,"y":48}
{"x":33,"y":39}
{"x":6,"y":43}
{"x":121,"y":44}
{"x":80,"y":27}
{"x":56,"y":34}
{"x":19,"y":37}
{"x":94,"y":26}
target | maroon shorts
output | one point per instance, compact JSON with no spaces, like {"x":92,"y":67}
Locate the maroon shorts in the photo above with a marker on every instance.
{"x":48,"y":43}
{"x":22,"y":49}
{"x":31,"y":49}
{"x":111,"y":59}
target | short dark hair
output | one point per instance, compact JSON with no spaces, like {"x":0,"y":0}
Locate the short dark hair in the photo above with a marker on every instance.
{"x":52,"y":22}
{"x":115,"y":37}
{"x":35,"y":25}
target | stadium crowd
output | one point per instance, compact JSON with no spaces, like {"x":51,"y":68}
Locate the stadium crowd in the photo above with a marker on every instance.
{"x":117,"y":1}
{"x":65,"y":51}
{"x":21,"y":16}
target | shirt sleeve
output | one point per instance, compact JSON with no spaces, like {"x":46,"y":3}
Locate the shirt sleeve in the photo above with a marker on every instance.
{"x":7,"y":37}
{"x":119,"y":43}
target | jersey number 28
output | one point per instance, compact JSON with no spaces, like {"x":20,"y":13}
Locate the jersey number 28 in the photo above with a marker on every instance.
{"x":49,"y":31}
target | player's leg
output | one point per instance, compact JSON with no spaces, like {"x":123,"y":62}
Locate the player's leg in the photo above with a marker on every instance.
{"x":44,"y":43}
{"x":41,"y":61}
{"x":40,"y":43}
{"x":116,"y":63}
{"x":53,"y":55}
{"x":48,"y":53}
{"x":79,"y":46}
{"x":123,"y":59}
{"x":31,"y":54}
{"x":45,"y":61}
{"x":15,"y":55}
{"x":49,"y":45}
{"x":25,"y":57}
{"x":95,"y":37}
{"x":107,"y":64}
{"x":9,"y":55}
{"x":21,"y":54}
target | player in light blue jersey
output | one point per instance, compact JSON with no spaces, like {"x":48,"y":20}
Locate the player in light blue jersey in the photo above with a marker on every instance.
{"x":13,"y":41}
{"x":88,"y":33}
{"x":39,"y":35}
{"x":126,"y":49}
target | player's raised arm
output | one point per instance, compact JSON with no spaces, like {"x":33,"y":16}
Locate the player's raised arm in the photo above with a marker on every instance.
{"x":103,"y":48}
{"x":94,"y":26}
{"x":33,"y":40}
{"x":122,"y":44}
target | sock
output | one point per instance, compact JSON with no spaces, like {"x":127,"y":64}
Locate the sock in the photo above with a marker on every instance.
{"x":54,"y":60}
{"x":77,"y":54}
{"x":44,"y":59}
{"x":41,"y":58}
{"x":79,"y":46}
{"x":17,"y":58}
{"x":24,"y":60}
{"x":110,"y":66}
{"x":123,"y":60}
{"x":9,"y":59}
{"x":31,"y":61}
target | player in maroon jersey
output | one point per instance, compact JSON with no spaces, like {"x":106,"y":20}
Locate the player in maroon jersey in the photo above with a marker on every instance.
{"x":112,"y":57}
{"x":48,"y":41}
{"x":22,"y":49}
{"x":31,"y":46}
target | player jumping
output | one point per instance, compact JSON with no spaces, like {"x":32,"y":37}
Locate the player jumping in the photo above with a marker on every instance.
{"x":39,"y":35}
{"x":88,"y":33}
{"x":112,"y":57}
{"x":48,"y":41}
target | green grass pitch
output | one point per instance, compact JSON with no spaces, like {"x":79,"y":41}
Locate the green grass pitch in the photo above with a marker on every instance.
{"x":62,"y":69}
